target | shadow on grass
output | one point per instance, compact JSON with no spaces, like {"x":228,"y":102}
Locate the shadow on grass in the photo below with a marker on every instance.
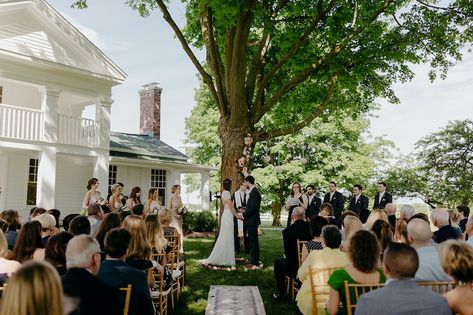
{"x":193,"y":299}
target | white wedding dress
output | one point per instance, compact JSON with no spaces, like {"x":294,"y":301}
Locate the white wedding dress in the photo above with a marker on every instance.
{"x":223,"y":253}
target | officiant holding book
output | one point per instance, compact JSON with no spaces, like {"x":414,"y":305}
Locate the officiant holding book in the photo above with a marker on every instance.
{"x":296,"y":199}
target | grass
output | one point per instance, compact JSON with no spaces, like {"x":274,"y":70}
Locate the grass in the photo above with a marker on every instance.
{"x":193,"y":299}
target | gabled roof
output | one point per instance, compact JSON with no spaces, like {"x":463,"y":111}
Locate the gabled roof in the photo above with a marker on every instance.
{"x":33,"y":28}
{"x":142,"y":146}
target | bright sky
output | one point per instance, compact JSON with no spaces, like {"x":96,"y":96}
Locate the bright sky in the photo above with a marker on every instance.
{"x":148,"y":52}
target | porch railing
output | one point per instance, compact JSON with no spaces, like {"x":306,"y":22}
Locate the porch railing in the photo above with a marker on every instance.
{"x":21,"y":123}
{"x":77,"y":131}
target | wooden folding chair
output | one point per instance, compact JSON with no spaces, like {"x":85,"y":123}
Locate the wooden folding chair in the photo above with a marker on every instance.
{"x":353,"y":292}
{"x":126,"y":305}
{"x":319,"y":288}
{"x":159,"y":296}
{"x":178,"y":266}
{"x":294,"y":287}
{"x":440,"y":287}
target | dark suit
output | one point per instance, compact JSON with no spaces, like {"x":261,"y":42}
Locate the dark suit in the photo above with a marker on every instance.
{"x":462,"y":224}
{"x":337,"y":203}
{"x":360,"y":204}
{"x":94,"y":296}
{"x":251,"y":222}
{"x":446,"y":232}
{"x":299,"y":230}
{"x":314,"y":206}
{"x":402,"y":297}
{"x":118,"y":274}
{"x":387,"y":198}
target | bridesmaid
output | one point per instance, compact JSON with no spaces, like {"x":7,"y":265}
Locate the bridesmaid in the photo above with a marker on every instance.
{"x":92,"y":195}
{"x":175,"y":202}
{"x":152,"y":205}
{"x":115,"y":203}
{"x":134,"y":198}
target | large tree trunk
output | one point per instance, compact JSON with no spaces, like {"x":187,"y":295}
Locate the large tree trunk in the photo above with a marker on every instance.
{"x":276,"y":212}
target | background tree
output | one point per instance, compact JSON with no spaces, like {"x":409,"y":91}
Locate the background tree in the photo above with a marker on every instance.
{"x":309,"y":58}
{"x":441,"y":171}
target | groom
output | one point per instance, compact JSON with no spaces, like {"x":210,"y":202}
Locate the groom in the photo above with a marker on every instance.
{"x":251,"y":220}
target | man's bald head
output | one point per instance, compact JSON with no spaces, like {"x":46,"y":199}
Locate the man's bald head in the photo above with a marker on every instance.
{"x":80,"y":252}
{"x":390,"y":208}
{"x":419,"y":231}
{"x":298,"y":213}
{"x":440,"y":217}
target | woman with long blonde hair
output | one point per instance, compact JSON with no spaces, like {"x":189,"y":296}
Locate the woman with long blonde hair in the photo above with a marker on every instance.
{"x":351,"y":225}
{"x":376,"y":214}
{"x":152,"y":205}
{"x":155,"y":234}
{"x":35,"y":289}
{"x":114,"y":202}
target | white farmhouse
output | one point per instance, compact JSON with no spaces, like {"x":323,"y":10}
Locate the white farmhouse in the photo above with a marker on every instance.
{"x":49,"y":73}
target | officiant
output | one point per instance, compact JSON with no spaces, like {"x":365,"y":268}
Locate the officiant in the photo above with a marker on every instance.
{"x":296,"y":199}
{"x":240,"y":198}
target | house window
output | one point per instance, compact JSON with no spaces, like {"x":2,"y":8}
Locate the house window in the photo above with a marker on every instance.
{"x":158,"y":180}
{"x":112,"y":175}
{"x":32,"y":182}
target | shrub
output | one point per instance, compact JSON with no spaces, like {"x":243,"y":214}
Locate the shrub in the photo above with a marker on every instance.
{"x":200,"y":221}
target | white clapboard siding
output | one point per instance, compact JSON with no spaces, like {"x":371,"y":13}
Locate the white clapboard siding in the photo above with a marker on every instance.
{"x":17,"y":182}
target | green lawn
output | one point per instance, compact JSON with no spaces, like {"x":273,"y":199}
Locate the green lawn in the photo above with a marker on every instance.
{"x":193,"y":299}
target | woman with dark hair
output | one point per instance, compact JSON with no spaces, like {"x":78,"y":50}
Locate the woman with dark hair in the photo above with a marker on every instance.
{"x":92,"y":196}
{"x":363,"y":253}
{"x":223,"y":253}
{"x":316,"y":225}
{"x":110,"y":220}
{"x":13,"y":220}
{"x":382,"y":230}
{"x":296,"y":199}
{"x":134,"y":198}
{"x":29,"y":244}
{"x":152,"y":205}
{"x":55,"y":252}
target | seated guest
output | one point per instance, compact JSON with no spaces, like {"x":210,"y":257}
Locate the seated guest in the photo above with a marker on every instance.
{"x":80,"y":281}
{"x":400,"y":231}
{"x":67,"y":220}
{"x":420,"y":238}
{"x":401,"y":295}
{"x":464,"y":214}
{"x":382,"y":230}
{"x":364,"y":256}
{"x":469,"y":231}
{"x":57,"y":215}
{"x":351,"y":226}
{"x":79,"y":225}
{"x":329,"y":257}
{"x":13,"y":220}
{"x":110,"y":221}
{"x":316,"y":225}
{"x":390,"y":209}
{"x":29,"y":244}
{"x":407,"y":211}
{"x":34,"y":289}
{"x":165,"y":217}
{"x":457,"y":260}
{"x":421,"y":216}
{"x":7,"y":267}
{"x":55,"y":253}
{"x":48,"y":226}
{"x":116,"y":273}
{"x":454,"y":219}
{"x":445,"y":231}
{"x":155,"y":235}
{"x":376,"y":214}
{"x":139,"y":210}
{"x":298,"y":230}
{"x":95,"y":216}
{"x":364,"y":215}
{"x":326,"y":211}
{"x":3,"y":226}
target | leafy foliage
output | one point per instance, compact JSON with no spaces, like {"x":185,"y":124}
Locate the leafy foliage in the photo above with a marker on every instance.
{"x":200,"y":221}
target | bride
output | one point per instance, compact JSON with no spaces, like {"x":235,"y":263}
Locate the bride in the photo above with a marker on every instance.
{"x":223,"y":253}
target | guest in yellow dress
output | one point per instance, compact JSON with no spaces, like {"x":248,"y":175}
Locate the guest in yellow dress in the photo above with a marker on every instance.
{"x":329,"y":257}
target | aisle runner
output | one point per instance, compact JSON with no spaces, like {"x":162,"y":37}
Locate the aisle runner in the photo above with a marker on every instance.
{"x":229,"y":299}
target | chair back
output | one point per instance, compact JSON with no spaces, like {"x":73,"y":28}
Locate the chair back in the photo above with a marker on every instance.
{"x":126,"y":306}
{"x":319,"y":288}
{"x":440,"y":287}
{"x":353,"y":292}
{"x":300,"y":244}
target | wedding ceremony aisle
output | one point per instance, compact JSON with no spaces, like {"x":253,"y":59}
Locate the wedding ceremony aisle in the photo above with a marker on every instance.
{"x":193,"y":299}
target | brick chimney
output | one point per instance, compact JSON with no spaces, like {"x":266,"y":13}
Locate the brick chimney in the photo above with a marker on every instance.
{"x":150,"y":109}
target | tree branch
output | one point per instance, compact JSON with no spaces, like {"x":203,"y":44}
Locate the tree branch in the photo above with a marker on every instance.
{"x":302,"y":75}
{"x":267,"y":135}
{"x":440,"y":8}
{"x":207,"y":78}
{"x":213,"y":56}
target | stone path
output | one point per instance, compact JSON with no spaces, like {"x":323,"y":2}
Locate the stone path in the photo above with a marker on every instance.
{"x":234,"y":300}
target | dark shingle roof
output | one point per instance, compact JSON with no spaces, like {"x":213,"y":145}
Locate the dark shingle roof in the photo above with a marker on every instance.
{"x":139,"y":144}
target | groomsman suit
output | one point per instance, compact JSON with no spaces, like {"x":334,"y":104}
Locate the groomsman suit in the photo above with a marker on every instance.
{"x":337,"y":201}
{"x":358,"y":203}
{"x":251,"y":222}
{"x":381,"y":202}
{"x":314,"y":206}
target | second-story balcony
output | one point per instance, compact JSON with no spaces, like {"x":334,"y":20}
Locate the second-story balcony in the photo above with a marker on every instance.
{"x":28,"y":124}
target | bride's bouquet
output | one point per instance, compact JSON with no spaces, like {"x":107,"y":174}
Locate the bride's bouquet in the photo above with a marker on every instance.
{"x":182,"y":210}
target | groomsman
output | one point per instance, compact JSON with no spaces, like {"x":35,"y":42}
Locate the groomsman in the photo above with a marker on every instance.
{"x":382,"y":197}
{"x":240,"y":199}
{"x":358,"y":202}
{"x":314,"y":202}
{"x":335,"y":198}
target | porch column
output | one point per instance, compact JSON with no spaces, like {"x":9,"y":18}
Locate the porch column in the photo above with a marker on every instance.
{"x":102,"y":115}
{"x":205,"y":190}
{"x":46,"y":188}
